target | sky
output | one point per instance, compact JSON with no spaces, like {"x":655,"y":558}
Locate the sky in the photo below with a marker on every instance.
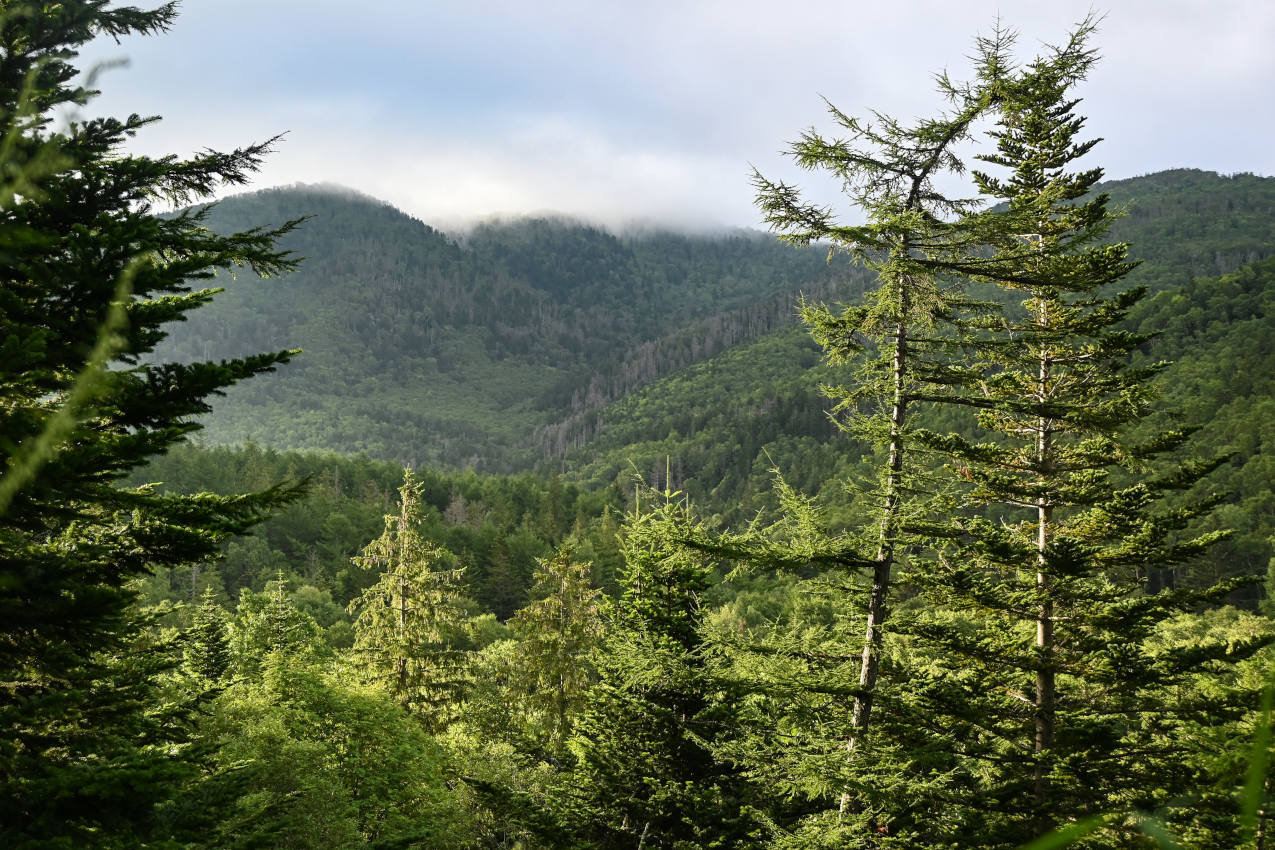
{"x":653,"y":112}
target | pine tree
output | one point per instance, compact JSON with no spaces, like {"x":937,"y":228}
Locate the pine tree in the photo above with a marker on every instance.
{"x":558,"y":634}
{"x":647,"y":773}
{"x":269,"y":623}
{"x":902,"y":338}
{"x":407,"y":626}
{"x":88,"y":278}
{"x":207,"y":651}
{"x":1044,"y":692}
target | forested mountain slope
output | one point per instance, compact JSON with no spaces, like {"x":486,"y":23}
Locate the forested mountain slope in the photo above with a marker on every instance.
{"x":1188,"y":223}
{"x":423,"y":349}
{"x":504,"y":349}
{"x":719,"y":428}
{"x":538,"y":341}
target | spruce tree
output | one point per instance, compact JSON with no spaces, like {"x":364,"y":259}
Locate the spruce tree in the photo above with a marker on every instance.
{"x":558,"y":634}
{"x":207,"y":652}
{"x":269,"y":623}
{"x":407,"y":626}
{"x":647,"y":775}
{"x":89,"y":277}
{"x":903,"y":339}
{"x":1044,"y":693}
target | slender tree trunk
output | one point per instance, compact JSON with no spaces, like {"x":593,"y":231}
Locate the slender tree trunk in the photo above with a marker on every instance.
{"x":878,"y":598}
{"x":401,"y":661}
{"x":1045,"y":684}
{"x":1045,"y":693}
{"x":869,"y":665}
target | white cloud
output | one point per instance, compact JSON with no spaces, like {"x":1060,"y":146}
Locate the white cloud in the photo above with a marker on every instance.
{"x":653,"y":110}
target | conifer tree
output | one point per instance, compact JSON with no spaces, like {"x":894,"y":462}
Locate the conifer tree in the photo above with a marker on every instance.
{"x":1046,"y":695}
{"x":902,"y":337}
{"x":407,"y":626}
{"x":270,"y":623}
{"x":647,"y":775}
{"x":88,"y":278}
{"x":558,"y":634}
{"x":207,"y":652}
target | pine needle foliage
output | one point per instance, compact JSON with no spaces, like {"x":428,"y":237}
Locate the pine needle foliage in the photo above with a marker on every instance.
{"x":904,"y":341}
{"x":408,"y":625}
{"x":268,"y":624}
{"x":1042,"y":689}
{"x":207,"y":654}
{"x":647,"y":774}
{"x":558,"y":634}
{"x":89,"y":277}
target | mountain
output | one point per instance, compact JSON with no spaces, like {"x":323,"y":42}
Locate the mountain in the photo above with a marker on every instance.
{"x":1187,"y":223}
{"x":540,"y":340}
{"x":427,"y":349}
{"x":677,"y":357}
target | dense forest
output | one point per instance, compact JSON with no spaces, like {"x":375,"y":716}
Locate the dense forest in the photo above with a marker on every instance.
{"x":946,"y":524}
{"x":427,"y":350}
{"x":502,"y":350}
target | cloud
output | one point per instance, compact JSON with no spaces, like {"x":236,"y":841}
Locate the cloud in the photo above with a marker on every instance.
{"x":653,"y":110}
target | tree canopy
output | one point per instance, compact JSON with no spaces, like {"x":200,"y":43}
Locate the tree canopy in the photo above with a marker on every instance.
{"x":89,"y":277}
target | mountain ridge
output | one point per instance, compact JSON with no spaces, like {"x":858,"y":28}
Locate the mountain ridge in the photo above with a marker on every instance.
{"x":425,"y":349}
{"x":502,"y":348}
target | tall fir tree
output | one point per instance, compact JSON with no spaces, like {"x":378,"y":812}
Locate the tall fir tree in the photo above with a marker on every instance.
{"x":905,"y":340}
{"x":1045,"y":692}
{"x":558,"y":635}
{"x":89,"y":276}
{"x":408,"y":625}
{"x":647,"y":775}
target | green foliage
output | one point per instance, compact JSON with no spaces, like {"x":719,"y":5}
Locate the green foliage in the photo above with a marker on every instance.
{"x":497,"y":526}
{"x":1221,"y":333}
{"x":646,"y":770}
{"x":207,"y":654}
{"x":714,"y":418}
{"x":323,"y":764}
{"x":1049,"y":703}
{"x":452,"y":353}
{"x":408,"y":626}
{"x":270,"y":622}
{"x":901,"y":337}
{"x":1064,"y":663}
{"x":558,"y":635}
{"x":527,"y":695}
{"x":1185,"y":224}
{"x":719,"y":427}
{"x":89,"y":276}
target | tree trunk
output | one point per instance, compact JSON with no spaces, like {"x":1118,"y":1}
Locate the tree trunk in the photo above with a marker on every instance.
{"x":869,"y":665}
{"x":885,"y":543}
{"x":1045,"y":685}
{"x":401,"y":661}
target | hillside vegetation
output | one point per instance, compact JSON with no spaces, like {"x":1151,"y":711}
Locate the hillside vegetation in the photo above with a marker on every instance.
{"x":584,"y":563}
{"x":501,"y":350}
{"x":544,"y":342}
{"x":427,"y":350}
